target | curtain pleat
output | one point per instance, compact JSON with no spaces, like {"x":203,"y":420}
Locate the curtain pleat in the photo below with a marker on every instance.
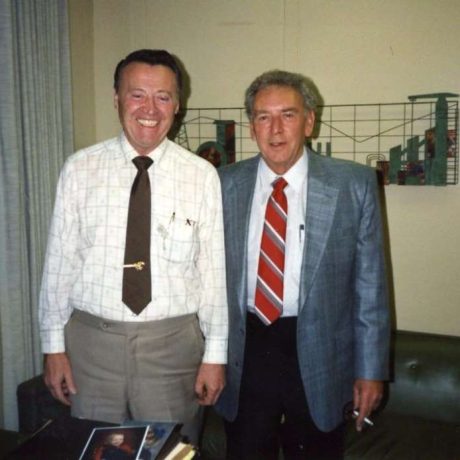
{"x":35,"y":138}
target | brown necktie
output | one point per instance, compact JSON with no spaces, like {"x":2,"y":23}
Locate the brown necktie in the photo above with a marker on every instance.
{"x":137,"y":283}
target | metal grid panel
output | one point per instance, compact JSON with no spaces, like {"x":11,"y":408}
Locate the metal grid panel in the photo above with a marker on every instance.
{"x":365,"y":133}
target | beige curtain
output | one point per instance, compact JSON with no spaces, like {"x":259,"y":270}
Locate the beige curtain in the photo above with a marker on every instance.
{"x":35,"y":138}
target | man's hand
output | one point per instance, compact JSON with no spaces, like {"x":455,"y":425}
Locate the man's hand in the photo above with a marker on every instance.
{"x":58,"y":377}
{"x":367,"y":395}
{"x":209,"y":383}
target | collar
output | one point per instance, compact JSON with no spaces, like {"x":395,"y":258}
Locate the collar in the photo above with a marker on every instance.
{"x":295,"y":176}
{"x":129,"y":151}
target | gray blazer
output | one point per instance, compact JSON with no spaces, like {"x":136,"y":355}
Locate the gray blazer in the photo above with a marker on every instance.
{"x":343,"y":320}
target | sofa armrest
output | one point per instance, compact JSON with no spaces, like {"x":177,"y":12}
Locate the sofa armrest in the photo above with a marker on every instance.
{"x":426,"y":376}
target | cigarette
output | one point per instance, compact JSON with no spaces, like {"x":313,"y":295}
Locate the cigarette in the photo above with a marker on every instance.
{"x":366,"y":420}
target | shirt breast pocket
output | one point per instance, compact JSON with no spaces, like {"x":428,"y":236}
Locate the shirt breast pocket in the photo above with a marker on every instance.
{"x":177,"y":241}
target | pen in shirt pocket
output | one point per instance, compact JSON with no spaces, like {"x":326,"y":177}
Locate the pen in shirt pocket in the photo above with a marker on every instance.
{"x":301,"y":232}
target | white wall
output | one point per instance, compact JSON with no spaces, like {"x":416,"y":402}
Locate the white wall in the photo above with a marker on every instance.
{"x":356,"y":51}
{"x":82,"y":58}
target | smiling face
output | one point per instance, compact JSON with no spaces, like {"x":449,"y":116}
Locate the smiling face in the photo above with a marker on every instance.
{"x":280,"y":125}
{"x":117,"y":439}
{"x":147,"y":101}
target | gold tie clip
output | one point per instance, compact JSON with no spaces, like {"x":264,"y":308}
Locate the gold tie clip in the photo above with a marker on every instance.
{"x":137,"y":265}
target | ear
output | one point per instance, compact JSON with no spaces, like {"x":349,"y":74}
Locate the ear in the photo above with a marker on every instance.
{"x":115,"y":99}
{"x":309,"y":123}
{"x":251,"y":131}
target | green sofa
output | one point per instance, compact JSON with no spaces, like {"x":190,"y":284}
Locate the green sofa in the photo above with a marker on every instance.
{"x":420,"y":419}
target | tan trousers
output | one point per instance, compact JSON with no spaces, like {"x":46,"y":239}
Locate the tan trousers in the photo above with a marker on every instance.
{"x":130,"y":370}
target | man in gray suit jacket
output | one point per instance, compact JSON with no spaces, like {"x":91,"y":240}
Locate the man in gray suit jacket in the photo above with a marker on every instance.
{"x":324,"y":342}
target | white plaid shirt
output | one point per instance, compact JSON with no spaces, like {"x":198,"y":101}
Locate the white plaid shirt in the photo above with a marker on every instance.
{"x":85,"y":254}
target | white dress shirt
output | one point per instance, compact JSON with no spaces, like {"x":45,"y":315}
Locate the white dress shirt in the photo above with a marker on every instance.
{"x":85,"y":255}
{"x":296,"y":194}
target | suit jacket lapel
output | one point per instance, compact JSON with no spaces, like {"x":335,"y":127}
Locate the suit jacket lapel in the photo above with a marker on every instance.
{"x":242,"y":192}
{"x":321,"y":207}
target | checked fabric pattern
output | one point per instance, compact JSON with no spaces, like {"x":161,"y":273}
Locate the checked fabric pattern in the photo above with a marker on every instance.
{"x":270,"y":272}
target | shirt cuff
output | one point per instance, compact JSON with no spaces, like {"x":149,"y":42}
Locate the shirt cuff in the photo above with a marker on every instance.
{"x":215,"y":351}
{"x":52,"y":341}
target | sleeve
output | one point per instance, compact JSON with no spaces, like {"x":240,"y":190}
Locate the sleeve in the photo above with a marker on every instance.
{"x":213,"y":310}
{"x":371,"y":318}
{"x":127,"y":449}
{"x":60,"y":266}
{"x":97,"y":455}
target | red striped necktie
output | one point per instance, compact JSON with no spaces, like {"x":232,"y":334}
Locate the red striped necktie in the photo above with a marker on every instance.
{"x":270,"y":273}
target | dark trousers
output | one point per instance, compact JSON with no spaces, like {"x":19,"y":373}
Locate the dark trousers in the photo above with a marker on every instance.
{"x":273,"y":411}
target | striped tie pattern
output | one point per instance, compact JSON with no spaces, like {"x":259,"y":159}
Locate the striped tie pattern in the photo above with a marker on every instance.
{"x":270,"y":273}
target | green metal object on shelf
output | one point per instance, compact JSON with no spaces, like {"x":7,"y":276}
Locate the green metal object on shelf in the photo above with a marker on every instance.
{"x":433,"y":169}
{"x":436,"y":165}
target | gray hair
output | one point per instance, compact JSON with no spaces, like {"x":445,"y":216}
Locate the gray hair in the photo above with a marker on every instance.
{"x":296,"y":81}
